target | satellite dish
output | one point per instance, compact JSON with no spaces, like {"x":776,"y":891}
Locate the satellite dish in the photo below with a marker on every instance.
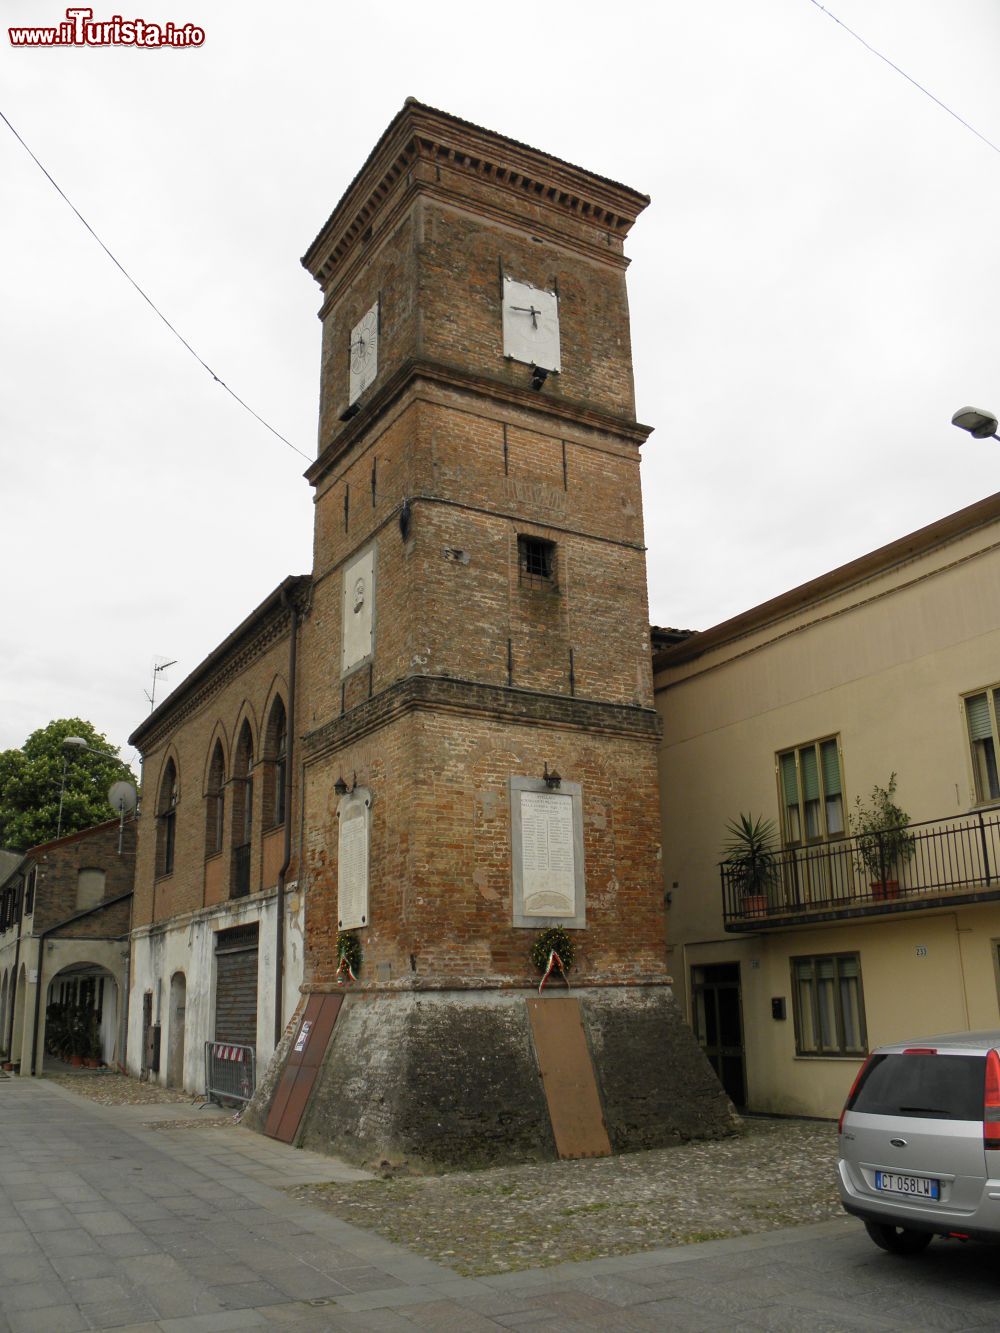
{"x":122,"y":798}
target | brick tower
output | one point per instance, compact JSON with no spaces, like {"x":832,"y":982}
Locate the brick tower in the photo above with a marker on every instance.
{"x":479,"y":740}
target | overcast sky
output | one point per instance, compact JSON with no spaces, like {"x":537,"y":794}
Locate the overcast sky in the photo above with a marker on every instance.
{"x":813,"y":293}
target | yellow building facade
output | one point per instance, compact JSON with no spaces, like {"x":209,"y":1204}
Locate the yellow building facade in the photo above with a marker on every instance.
{"x":793,"y":712}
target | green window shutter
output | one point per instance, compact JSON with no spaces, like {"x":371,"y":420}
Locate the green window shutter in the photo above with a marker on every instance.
{"x":810,"y":774}
{"x":831,"y":768}
{"x":849,"y":966}
{"x":977,"y":711}
{"x":789,"y":785}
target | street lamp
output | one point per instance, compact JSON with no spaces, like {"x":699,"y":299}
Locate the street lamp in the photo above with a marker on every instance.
{"x":69,"y":744}
{"x":980,"y":425}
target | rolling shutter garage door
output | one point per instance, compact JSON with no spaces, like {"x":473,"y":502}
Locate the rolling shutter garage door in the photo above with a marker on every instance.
{"x":236,"y":985}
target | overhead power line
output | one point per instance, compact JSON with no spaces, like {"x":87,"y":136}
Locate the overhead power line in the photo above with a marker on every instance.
{"x":148,"y":299}
{"x":919,"y":86}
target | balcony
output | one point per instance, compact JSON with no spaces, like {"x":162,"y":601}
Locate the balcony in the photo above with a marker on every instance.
{"x":954,"y":861}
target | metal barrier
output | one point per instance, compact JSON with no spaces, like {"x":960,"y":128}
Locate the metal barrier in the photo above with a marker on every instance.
{"x":230,"y":1071}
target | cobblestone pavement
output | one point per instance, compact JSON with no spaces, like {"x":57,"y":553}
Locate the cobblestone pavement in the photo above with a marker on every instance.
{"x":106,"y":1225}
{"x":779,"y":1173}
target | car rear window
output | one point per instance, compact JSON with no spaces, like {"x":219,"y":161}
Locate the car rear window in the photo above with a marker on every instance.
{"x":939,"y":1087}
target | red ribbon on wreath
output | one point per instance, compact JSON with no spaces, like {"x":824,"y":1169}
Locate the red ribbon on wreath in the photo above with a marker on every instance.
{"x":554,"y":961}
{"x":340,"y":968}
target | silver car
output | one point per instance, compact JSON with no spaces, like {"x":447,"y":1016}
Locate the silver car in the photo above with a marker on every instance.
{"x":919,"y":1141}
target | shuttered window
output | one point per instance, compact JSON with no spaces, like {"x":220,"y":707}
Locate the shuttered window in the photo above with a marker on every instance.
{"x":981,"y":720}
{"x":829,"y":1005}
{"x":811,"y":791}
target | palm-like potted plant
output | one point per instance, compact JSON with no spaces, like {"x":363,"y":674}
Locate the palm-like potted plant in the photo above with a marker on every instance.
{"x":751,"y":862}
{"x":882,"y":842}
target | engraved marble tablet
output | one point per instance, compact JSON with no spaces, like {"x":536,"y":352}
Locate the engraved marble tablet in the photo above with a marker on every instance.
{"x":547,"y":853}
{"x":354,"y":814}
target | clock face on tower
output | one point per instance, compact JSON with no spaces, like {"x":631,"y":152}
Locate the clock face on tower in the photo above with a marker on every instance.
{"x":364,"y":354}
{"x":530,"y":324}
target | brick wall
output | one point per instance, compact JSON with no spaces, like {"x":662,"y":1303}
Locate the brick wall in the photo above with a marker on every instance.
{"x":440,"y":883}
{"x":242,"y":689}
{"x":58,"y":870}
{"x":448,"y":595}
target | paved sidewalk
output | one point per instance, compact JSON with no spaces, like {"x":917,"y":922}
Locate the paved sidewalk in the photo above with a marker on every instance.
{"x":107,"y":1224}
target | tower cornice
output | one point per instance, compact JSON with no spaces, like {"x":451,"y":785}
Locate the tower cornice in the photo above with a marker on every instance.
{"x":454,"y":377}
{"x":526,"y":186}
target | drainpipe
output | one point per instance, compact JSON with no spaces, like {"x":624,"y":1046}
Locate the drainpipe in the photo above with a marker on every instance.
{"x":279,"y":953}
{"x":71,"y":920}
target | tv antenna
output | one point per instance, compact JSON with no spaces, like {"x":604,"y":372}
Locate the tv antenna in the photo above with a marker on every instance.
{"x":159,"y":665}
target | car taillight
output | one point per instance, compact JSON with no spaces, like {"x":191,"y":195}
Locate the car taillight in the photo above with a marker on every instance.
{"x":991,"y":1103}
{"x":854,"y":1087}
{"x":920,"y":1050}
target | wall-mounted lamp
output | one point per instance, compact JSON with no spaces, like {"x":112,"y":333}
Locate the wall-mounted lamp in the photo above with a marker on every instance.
{"x":340,"y":787}
{"x":551,"y":780}
{"x":404,"y":519}
{"x":538,"y":376}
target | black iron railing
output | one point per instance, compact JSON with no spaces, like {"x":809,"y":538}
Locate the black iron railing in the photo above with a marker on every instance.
{"x":949,"y":858}
{"x":241,"y":870}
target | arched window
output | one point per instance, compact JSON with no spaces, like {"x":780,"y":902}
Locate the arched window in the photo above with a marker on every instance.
{"x":242,"y":812}
{"x":276,"y":775}
{"x":166,"y":815}
{"x":215,"y":802}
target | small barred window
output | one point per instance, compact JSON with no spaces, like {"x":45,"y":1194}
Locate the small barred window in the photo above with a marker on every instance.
{"x":536,"y":561}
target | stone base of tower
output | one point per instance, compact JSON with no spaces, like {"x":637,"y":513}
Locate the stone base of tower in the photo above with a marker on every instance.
{"x":441,"y":1078}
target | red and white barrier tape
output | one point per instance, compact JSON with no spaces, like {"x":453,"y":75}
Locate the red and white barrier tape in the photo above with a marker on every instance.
{"x":227,"y":1052}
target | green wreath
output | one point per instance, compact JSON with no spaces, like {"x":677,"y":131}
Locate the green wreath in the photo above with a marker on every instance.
{"x":349,"y":949}
{"x":553,"y":939}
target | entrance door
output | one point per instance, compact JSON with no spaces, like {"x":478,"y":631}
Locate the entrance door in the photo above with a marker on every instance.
{"x":718,"y":1024}
{"x":236,"y":985}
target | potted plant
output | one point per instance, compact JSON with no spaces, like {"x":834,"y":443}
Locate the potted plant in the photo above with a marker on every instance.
{"x":882,"y":842}
{"x":751,"y":862}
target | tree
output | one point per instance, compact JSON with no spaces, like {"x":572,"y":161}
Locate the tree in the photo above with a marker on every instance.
{"x":31,"y":779}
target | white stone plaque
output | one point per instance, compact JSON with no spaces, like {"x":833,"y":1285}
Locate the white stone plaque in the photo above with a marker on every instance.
{"x":547,"y":863}
{"x":352,"y":860}
{"x":547,"y":871}
{"x":359,"y":611}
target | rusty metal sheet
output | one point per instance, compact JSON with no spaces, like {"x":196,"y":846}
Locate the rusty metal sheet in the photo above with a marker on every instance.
{"x":304,"y":1059}
{"x":568,"y":1078}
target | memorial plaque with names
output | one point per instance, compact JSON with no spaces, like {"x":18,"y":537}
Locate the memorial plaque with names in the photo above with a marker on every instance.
{"x":547,"y":861}
{"x":352,"y":860}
